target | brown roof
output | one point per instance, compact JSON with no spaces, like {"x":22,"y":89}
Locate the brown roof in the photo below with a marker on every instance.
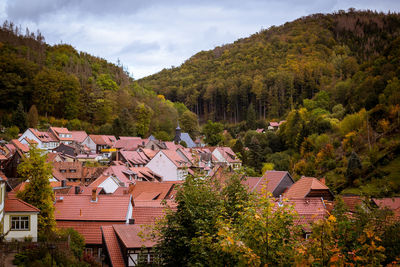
{"x":146,"y":174}
{"x":44,"y":136}
{"x":302,"y":187}
{"x":79,"y":136}
{"x":135,"y":157}
{"x":17,"y":205}
{"x":103,"y":139}
{"x":112,"y":246}
{"x":72,"y":170}
{"x":58,"y":131}
{"x":129,"y":235}
{"x":81,"y":208}
{"x":352,"y":202}
{"x":308,"y":209}
{"x":175,"y":158}
{"x":130,"y":143}
{"x":392,"y":203}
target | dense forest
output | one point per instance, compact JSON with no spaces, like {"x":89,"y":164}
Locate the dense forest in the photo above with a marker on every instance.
{"x":58,"y":85}
{"x":276,"y":69}
{"x":335,"y":80}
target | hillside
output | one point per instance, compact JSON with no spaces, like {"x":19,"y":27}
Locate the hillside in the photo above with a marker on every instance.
{"x":74,"y":89}
{"x":334,"y":78}
{"x":275,"y":69}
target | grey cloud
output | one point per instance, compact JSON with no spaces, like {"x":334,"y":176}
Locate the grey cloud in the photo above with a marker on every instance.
{"x":139,"y":47}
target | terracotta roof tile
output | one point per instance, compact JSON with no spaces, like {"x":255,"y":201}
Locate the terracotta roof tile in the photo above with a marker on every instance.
{"x":22,"y":147}
{"x":175,"y":158}
{"x":79,"y":136}
{"x":352,"y":202}
{"x":270,"y":180}
{"x":130,"y":143}
{"x":302,"y":187}
{"x":164,"y":188}
{"x":129,"y":235}
{"x":81,"y":208}
{"x":15,"y":204}
{"x":112,"y":246}
{"x":90,"y":230}
{"x":135,"y":157}
{"x":147,"y":212}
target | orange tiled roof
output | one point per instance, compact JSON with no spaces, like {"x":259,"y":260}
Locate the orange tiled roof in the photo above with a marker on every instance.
{"x":128,"y":234}
{"x":79,"y":136}
{"x":308,"y":209}
{"x":147,"y":212}
{"x":352,"y":202}
{"x":270,"y":180}
{"x":90,"y":230}
{"x":17,"y":205}
{"x":112,"y":246}
{"x":130,"y":143}
{"x":175,"y":158}
{"x":22,"y":147}
{"x":163,"y":188}
{"x":81,"y":208}
{"x":302,"y":187}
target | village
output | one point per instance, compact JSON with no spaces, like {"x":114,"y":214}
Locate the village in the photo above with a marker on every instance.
{"x":107,"y":189}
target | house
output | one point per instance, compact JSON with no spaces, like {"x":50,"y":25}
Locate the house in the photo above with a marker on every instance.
{"x":133,"y":158}
{"x":45,"y":140}
{"x":170,"y":165}
{"x":308,"y":187}
{"x":225,"y":155}
{"x":391,"y":203}
{"x":130,"y":143}
{"x":275,"y":125}
{"x":63,"y":135}
{"x":124,"y":245}
{"x":66,"y":150}
{"x":108,"y":183}
{"x":98,"y":143}
{"x":147,"y":191}
{"x":275,"y":182}
{"x":88,"y":213}
{"x":20,"y":220}
{"x":78,"y":137}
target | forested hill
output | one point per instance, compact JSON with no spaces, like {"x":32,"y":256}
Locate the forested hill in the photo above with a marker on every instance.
{"x":74,"y":89}
{"x":343,"y":53}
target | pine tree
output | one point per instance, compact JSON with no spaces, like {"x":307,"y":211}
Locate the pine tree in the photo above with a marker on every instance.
{"x":33,"y":117}
{"x":251,"y":117}
{"x":38,"y":191}
{"x":353,"y":167}
{"x":19,"y":117}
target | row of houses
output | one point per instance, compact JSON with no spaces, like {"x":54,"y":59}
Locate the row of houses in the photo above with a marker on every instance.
{"x":109,"y":205}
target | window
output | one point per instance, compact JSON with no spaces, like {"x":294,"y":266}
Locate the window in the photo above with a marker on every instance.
{"x":72,"y":170}
{"x":89,"y":251}
{"x":20,"y":223}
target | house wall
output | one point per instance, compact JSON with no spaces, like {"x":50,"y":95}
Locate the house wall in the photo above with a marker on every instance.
{"x":31,"y":136}
{"x":90,"y":144}
{"x":162,"y":165}
{"x":286,"y":182}
{"x":109,"y":185}
{"x":218,"y":155}
{"x":2,"y":197}
{"x":20,"y":235}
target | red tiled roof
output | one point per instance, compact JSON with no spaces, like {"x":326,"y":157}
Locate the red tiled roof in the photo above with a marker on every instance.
{"x":72,"y":169}
{"x":228,"y":154}
{"x":308,"y":209}
{"x":79,"y":136}
{"x":130,"y":143}
{"x":175,"y":158}
{"x":352,"y":202}
{"x":44,"y":136}
{"x":112,"y":246}
{"x":81,"y":208}
{"x":147,"y":212}
{"x":103,"y":139}
{"x":270,"y":180}
{"x":129,"y":235}
{"x":392,"y":203}
{"x":22,"y":147}
{"x":90,"y":230}
{"x":59,"y":130}
{"x":302,"y":187}
{"x":120,"y":172}
{"x":141,"y":187}
{"x":17,"y":205}
{"x":274,"y":124}
{"x":51,"y":156}
{"x":135,"y":157}
{"x":146,"y":174}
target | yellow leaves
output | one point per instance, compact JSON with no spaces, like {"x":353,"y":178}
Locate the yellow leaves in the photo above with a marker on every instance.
{"x":161,"y":97}
{"x":332,"y":218}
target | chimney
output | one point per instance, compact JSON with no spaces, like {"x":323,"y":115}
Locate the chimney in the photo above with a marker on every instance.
{"x":131,"y":187}
{"x":63,"y":183}
{"x":94,"y":195}
{"x":77,"y":190}
{"x":322,"y":180}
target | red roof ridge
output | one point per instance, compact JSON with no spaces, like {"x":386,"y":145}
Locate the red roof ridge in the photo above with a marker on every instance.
{"x":112,"y":246}
{"x":18,"y":205}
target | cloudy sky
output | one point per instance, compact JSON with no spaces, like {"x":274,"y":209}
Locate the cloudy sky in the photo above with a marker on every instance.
{"x":149,"y":35}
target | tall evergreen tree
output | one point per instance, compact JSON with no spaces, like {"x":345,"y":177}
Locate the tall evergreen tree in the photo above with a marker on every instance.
{"x":251,"y":117}
{"x":19,"y":117}
{"x":33,"y":117}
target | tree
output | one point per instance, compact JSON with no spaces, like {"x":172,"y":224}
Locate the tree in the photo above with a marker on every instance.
{"x":190,"y":123}
{"x":33,"y":117}
{"x":265,"y":233}
{"x":124,"y":125}
{"x":19,"y":117}
{"x":353,"y":167}
{"x":38,"y":191}
{"x":251,"y":117}
{"x":213,"y":132}
{"x":143,"y":116}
